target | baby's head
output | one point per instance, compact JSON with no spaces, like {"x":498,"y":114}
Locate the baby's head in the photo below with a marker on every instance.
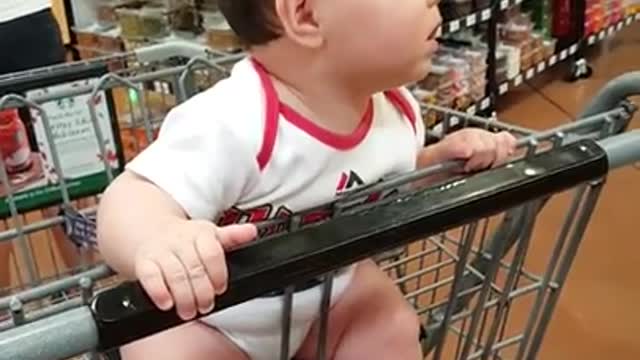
{"x":391,"y":41}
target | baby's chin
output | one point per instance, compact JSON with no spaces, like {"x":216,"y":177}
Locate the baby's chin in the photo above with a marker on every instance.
{"x":422,"y":70}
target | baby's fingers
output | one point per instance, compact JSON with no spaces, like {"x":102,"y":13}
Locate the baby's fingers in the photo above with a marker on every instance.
{"x":483,"y":154}
{"x":198,"y":277}
{"x":150,"y":276}
{"x":178,"y":282}
{"x":212,"y":255}
{"x":507,"y":144}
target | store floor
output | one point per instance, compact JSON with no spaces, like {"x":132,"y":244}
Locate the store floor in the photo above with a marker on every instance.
{"x":598,"y":314}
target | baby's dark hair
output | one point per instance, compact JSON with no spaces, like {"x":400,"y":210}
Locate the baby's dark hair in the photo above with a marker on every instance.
{"x":253,"y":21}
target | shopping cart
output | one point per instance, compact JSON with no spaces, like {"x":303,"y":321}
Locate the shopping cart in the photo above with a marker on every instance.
{"x":465,"y":252}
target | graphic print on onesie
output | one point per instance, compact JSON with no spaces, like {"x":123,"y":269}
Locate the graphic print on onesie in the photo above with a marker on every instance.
{"x":348,"y":180}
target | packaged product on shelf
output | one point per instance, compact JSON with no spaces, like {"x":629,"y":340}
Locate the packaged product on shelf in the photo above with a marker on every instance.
{"x":594,"y":16}
{"x":428,"y":97}
{"x":511,"y":56}
{"x":154,"y":22}
{"x":477,"y":58}
{"x":95,"y":42}
{"x":460,"y":73}
{"x":207,"y":5}
{"x":479,"y":5}
{"x":219,"y":34}
{"x":549,"y":46}
{"x":177,"y":4}
{"x":86,"y":38}
{"x":106,"y":16}
{"x":518,"y":29}
{"x":455,"y":9}
{"x":537,"y":48}
{"x":501,"y":66}
{"x":106,"y":12}
{"x":110,"y":41}
{"x":478,"y":78}
{"x":527,"y":60}
{"x":129,"y":21}
{"x":632,"y":6}
{"x":436,"y":76}
{"x":185,"y":19}
{"x":14,"y":143}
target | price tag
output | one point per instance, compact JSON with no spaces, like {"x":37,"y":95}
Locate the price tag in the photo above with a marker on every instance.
{"x":503,"y":88}
{"x":485,"y":104}
{"x":166,"y":89}
{"x":553,"y":60}
{"x":519,"y":2}
{"x":518,"y":80}
{"x":471,"y":110}
{"x":454,"y":26}
{"x":486,"y":15}
{"x":454,"y":121}
{"x":601,"y":35}
{"x":573,"y":49}
{"x":541,"y":66}
{"x":638,"y":17}
{"x":471,"y":20}
{"x":591,"y":40}
{"x":530,"y":73}
{"x":563,"y":54}
{"x":610,"y":31}
{"x":628,"y":21}
{"x":504,"y":4}
{"x":619,"y":26}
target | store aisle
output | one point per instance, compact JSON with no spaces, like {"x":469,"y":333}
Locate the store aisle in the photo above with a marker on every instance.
{"x":598,"y":313}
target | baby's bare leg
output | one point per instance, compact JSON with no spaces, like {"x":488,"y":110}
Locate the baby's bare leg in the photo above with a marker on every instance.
{"x":193,"y":341}
{"x":372,"y":321}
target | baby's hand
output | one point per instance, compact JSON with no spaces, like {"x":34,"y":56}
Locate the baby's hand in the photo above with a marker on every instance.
{"x":185,"y":266}
{"x":479,"y":149}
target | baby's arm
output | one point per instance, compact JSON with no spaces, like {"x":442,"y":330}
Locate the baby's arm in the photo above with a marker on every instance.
{"x":478,"y":148}
{"x":131,"y":212}
{"x":155,"y":221}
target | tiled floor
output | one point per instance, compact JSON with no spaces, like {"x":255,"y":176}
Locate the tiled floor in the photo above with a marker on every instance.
{"x":599,"y":311}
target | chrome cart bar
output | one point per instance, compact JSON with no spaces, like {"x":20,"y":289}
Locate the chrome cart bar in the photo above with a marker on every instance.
{"x":124,"y":314}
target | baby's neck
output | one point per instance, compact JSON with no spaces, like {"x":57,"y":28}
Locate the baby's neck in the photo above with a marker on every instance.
{"x":314,"y":91}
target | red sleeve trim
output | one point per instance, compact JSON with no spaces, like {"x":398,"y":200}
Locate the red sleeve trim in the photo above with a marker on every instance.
{"x":402,"y":104}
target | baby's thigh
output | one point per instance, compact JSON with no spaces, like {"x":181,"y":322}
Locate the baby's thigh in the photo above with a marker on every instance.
{"x":193,"y":341}
{"x":370,"y":305}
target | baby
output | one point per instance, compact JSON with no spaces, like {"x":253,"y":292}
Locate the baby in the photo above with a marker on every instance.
{"x":316,"y":108}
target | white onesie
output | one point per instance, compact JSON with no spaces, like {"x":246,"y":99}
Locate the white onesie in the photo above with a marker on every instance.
{"x":234,"y":153}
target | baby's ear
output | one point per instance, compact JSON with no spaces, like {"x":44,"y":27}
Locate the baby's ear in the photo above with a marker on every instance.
{"x":299,"y":22}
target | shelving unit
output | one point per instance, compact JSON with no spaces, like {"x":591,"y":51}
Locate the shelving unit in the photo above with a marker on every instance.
{"x":468,"y":21}
{"x":612,"y":29}
{"x":538,"y":68}
{"x":483,"y":20}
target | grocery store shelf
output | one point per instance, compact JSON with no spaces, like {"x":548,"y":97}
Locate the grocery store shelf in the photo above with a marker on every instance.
{"x":466,"y":22}
{"x":481,"y":105}
{"x":540,"y":67}
{"x":612,"y":29}
{"x":436,"y":129}
{"x":475,"y":18}
{"x":505,"y":4}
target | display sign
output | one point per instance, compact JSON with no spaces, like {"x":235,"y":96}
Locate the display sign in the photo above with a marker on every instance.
{"x":34,"y":179}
